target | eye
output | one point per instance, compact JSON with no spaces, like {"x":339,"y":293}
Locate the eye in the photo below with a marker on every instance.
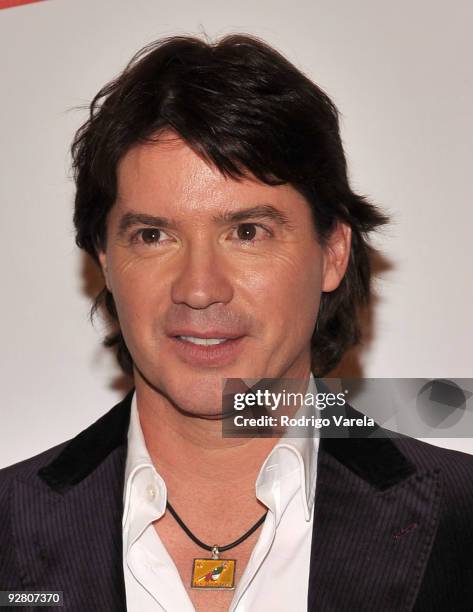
{"x":247,"y":232}
{"x":149,"y":236}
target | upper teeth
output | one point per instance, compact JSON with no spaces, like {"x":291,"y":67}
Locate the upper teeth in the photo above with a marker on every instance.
{"x":205,"y":341}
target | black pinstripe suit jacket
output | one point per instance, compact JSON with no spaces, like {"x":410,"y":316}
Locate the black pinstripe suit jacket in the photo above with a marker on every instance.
{"x":393,"y":524}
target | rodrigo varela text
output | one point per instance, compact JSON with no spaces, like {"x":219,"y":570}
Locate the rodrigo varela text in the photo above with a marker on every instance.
{"x":302,"y":421}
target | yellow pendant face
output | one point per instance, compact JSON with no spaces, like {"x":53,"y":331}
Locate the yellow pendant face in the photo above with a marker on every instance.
{"x":213,"y":574}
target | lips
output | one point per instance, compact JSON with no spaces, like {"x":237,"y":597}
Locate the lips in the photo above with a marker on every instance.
{"x":209,"y":351}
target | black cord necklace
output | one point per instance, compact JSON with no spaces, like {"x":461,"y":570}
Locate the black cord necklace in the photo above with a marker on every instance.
{"x":214,"y":573}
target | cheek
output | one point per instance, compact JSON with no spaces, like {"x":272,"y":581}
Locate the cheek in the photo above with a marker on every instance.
{"x":136,"y":290}
{"x":286,"y":293}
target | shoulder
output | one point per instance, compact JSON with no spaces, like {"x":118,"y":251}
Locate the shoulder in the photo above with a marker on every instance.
{"x":428,"y":456}
{"x":88,"y":447}
{"x":455,"y":474}
{"x":27,"y":468}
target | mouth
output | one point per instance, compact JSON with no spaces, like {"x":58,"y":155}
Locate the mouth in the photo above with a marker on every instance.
{"x":207,"y":351}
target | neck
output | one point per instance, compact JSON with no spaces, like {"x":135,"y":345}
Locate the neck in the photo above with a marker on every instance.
{"x":186,"y":449}
{"x":189,"y":446}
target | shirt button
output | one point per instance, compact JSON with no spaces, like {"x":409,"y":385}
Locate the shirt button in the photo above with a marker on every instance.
{"x":151,"y":491}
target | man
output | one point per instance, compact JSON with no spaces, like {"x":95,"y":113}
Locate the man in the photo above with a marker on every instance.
{"x":212,"y":191}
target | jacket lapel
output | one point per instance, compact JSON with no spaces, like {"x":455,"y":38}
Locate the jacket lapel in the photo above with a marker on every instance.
{"x":67,"y":518}
{"x":374,"y":524}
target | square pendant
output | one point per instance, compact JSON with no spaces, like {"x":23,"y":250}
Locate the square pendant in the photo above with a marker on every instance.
{"x":213,"y":574}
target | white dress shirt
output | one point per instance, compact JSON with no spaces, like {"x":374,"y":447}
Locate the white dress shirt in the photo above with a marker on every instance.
{"x":276,"y":576}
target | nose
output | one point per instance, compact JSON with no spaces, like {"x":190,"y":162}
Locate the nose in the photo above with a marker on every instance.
{"x":202,"y":279}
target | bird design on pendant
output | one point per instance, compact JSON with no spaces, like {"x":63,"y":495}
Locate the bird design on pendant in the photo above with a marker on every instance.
{"x":214,"y":574}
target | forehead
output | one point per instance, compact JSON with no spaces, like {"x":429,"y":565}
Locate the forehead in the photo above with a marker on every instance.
{"x":167,"y":174}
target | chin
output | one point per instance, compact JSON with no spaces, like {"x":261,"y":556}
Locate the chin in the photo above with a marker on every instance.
{"x":199,"y":394}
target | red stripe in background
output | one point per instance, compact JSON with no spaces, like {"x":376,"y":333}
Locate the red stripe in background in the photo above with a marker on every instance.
{"x":9,"y":3}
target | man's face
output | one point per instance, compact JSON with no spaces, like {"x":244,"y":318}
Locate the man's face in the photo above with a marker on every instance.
{"x":191,"y":255}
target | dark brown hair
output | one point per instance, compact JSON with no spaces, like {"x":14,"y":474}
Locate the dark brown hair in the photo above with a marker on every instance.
{"x":243,"y":107}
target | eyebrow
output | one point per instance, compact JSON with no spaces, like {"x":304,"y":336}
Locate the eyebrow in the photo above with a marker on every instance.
{"x":260,"y":212}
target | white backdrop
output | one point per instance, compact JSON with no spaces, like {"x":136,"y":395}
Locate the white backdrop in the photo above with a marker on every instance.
{"x":401,"y":76}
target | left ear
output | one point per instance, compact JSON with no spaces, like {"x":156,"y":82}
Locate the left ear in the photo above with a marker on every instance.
{"x":103,"y":264}
{"x":336,"y":256}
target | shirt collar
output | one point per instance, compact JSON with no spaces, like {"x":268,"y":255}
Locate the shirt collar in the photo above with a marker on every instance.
{"x":137,"y":470}
{"x":291,"y":454}
{"x":137,"y":454}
